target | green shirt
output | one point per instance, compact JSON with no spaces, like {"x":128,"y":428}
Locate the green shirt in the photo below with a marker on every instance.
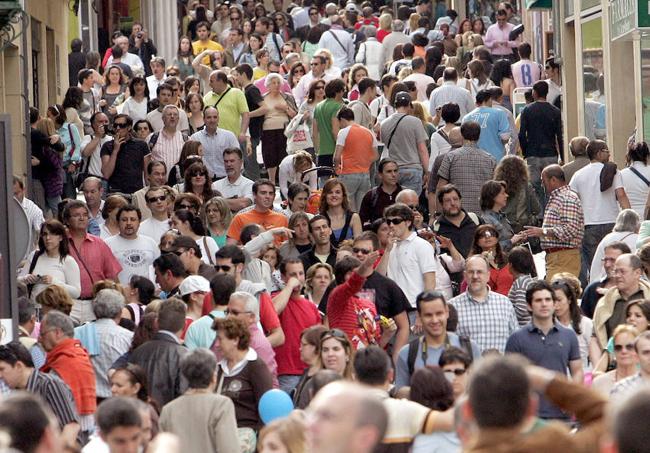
{"x":323,"y":114}
{"x":231,"y":108}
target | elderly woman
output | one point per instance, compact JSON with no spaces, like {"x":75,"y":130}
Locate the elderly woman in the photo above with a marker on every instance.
{"x":494,"y":198}
{"x":281,"y":108}
{"x":626,"y":229}
{"x":201,"y":406}
{"x":242,"y":376}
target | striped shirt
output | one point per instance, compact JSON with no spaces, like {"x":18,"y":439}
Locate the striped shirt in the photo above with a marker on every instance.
{"x":167,"y":148}
{"x":564,"y":218}
{"x":488,"y":323}
{"x":56,"y":394}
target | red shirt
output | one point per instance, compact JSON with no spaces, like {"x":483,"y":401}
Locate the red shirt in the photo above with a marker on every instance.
{"x":97,"y":262}
{"x":298,"y":315}
{"x":345,"y":311}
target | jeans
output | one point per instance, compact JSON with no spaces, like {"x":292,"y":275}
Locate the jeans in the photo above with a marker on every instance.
{"x":251,"y":166}
{"x":535,"y":167}
{"x":411,"y":178}
{"x":356,"y":184}
{"x":593,"y":235}
{"x":288,"y":382}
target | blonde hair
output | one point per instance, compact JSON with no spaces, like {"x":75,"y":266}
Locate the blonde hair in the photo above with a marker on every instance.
{"x":55,"y":297}
{"x":290,"y":430}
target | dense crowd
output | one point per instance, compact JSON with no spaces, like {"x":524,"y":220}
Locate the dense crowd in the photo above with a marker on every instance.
{"x":413,"y":230}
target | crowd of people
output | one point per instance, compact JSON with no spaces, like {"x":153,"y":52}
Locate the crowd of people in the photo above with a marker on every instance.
{"x":382,"y":266}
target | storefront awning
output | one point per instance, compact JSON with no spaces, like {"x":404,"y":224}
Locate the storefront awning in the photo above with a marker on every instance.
{"x":539,"y":4}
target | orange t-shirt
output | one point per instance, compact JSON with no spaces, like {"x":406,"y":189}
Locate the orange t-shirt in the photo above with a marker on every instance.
{"x":266,"y":220}
{"x":358,"y":149}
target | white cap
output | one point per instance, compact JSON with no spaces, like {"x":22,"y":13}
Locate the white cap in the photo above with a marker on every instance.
{"x":192,"y":284}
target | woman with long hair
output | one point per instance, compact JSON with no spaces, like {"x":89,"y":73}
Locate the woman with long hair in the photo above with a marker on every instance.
{"x":486,"y":243}
{"x":184,"y":57}
{"x":335,"y":205}
{"x":217,"y":217}
{"x":112,"y":91}
{"x":197,"y":181}
{"x":51,"y":262}
{"x":191,"y":225}
{"x":493,"y":199}
{"x":502,"y":77}
{"x":136,"y":105}
{"x":522,"y":206}
{"x":569,"y":315}
{"x":296,"y":72}
{"x":194,"y":108}
{"x":281,"y":108}
{"x":71,"y":158}
{"x":317,"y":279}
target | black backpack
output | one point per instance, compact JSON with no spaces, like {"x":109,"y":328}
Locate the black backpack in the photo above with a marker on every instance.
{"x":414,"y":345}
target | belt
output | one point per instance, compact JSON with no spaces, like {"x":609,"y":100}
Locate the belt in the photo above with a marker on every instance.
{"x":559,"y":249}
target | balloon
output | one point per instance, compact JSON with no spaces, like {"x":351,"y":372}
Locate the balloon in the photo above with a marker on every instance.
{"x":274,"y":404}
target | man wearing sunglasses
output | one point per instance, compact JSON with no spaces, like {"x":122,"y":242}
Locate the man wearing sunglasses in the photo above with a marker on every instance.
{"x":123,"y":158}
{"x":158,"y":201}
{"x":546,"y":343}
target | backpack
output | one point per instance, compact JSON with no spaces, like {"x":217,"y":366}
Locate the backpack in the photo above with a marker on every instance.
{"x":465,"y":344}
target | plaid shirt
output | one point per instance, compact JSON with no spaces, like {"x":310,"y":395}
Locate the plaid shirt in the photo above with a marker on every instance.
{"x":468,"y":168}
{"x":489,"y":323}
{"x":564,"y":217}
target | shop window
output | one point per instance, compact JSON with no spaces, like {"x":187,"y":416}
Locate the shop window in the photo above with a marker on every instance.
{"x":593,"y":79}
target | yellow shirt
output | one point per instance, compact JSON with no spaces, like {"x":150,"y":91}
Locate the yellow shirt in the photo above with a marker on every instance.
{"x":199,"y":47}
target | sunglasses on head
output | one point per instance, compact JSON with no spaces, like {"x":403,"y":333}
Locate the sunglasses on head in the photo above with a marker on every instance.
{"x":394,"y":221}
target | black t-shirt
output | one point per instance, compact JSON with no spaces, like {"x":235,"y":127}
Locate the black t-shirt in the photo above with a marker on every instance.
{"x":254,"y":100}
{"x":129,"y":167}
{"x":390,"y":300}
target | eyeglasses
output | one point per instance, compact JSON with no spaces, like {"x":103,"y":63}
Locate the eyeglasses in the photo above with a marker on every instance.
{"x":360,"y":250}
{"x":627,"y":347}
{"x":121,"y":125}
{"x":336,"y":333}
{"x":228,"y":311}
{"x":155,"y":199}
{"x":225,"y":268}
{"x":394,"y":221}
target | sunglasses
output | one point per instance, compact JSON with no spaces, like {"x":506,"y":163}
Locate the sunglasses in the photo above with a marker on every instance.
{"x":225,"y":268}
{"x":336,"y":333}
{"x":360,"y":250}
{"x":121,"y":125}
{"x":155,"y":199}
{"x":627,"y":347}
{"x":394,"y":221}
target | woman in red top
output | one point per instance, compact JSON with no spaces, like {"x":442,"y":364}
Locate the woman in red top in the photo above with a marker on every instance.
{"x":486,"y":243}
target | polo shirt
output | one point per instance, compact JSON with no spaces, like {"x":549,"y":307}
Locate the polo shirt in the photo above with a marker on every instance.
{"x":96,"y":262}
{"x":408,"y":261}
{"x":241,"y":188}
{"x":231,"y":108}
{"x":553,"y":351}
{"x":213,"y":148}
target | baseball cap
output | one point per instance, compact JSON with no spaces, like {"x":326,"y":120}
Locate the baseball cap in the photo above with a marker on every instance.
{"x":402,"y":99}
{"x":192,"y":284}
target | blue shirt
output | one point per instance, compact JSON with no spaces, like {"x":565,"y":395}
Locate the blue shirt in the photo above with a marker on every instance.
{"x":494,"y":122}
{"x":552,"y":351}
{"x":403,"y":377}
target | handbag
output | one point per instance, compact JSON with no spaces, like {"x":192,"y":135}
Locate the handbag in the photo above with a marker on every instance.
{"x":298,"y":134}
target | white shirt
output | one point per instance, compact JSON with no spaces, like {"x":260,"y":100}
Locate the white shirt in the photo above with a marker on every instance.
{"x":135,"y":255}
{"x":154,"y":228}
{"x":422,"y":81}
{"x":241,"y":188}
{"x":599,"y":207}
{"x":287,"y":176}
{"x":94,"y":166}
{"x":635,"y":188}
{"x":408,"y":261}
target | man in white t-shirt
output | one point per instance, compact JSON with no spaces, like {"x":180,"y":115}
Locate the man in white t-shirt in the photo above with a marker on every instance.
{"x":158,"y":201}
{"x":235,"y":188}
{"x":526,"y":72}
{"x":600,"y":206}
{"x":421,"y":80}
{"x":136,"y":253}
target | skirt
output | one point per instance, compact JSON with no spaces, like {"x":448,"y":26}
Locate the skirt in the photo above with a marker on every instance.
{"x":274,"y":147}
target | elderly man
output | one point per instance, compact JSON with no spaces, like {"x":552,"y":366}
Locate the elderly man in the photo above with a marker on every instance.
{"x":104,"y":339}
{"x":167,"y":144}
{"x":245,"y":307}
{"x":215,"y":141}
{"x":67,"y":359}
{"x":94,"y":257}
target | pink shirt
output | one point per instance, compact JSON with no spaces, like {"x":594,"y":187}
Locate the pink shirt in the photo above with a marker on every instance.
{"x":495,"y":34}
{"x":97,"y":262}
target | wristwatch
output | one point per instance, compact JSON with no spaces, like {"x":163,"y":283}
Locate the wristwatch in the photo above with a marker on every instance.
{"x":544,"y":232}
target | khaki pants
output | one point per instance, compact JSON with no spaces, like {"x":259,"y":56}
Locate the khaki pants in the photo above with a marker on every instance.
{"x":562,"y":261}
{"x":82,"y":311}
